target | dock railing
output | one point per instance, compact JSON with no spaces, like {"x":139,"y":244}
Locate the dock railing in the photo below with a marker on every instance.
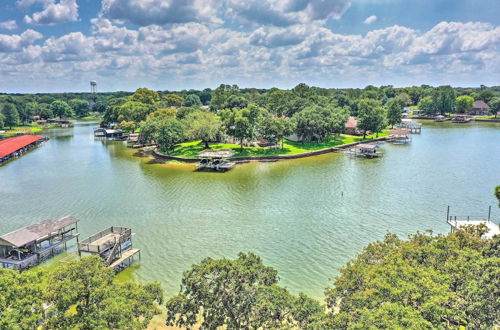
{"x":88,"y":244}
{"x":454,"y":220}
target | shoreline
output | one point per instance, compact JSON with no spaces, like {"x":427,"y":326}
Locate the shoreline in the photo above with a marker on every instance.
{"x":245,"y":159}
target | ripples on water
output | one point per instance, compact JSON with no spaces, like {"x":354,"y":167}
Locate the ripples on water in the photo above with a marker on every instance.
{"x":306,"y":217}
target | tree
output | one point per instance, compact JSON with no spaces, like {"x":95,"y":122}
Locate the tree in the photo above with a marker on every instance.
{"x":464,"y":103}
{"x":146,"y":96}
{"x":165,"y":131}
{"x":2,"y":120}
{"x":394,"y":111}
{"x":444,"y":99}
{"x":240,"y":294}
{"x":79,"y":106}
{"x":192,"y":100}
{"x":21,"y":299}
{"x":278,"y":102}
{"x":163,"y":112}
{"x":275,"y":129}
{"x":450,"y":281}
{"x":61,"y":109}
{"x":497,"y":194}
{"x":221,"y":94}
{"x":486,"y":95}
{"x":83,"y":295}
{"x":371,"y":116}
{"x":173,"y":100}
{"x":426,"y":104}
{"x":319,"y":122}
{"x":183,"y":112}
{"x":242,"y":123}
{"x":495,"y":106}
{"x":11,"y":116}
{"x":235,"y":101}
{"x":133,"y":111}
{"x":204,"y":126}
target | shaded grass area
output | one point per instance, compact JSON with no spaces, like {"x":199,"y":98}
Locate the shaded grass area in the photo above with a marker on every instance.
{"x":486,"y":117}
{"x":191,"y":149}
{"x":25,"y":129}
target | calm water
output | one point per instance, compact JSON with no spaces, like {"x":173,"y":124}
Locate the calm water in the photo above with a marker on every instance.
{"x":306,"y":217}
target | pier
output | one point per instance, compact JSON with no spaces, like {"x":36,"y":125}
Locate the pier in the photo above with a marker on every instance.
{"x":16,"y":146}
{"x":457,"y":222}
{"x":113,"y":245}
{"x":30,"y":246}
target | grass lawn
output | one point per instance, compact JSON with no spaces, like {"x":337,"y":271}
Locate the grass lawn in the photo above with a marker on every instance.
{"x":191,"y":149}
{"x":486,"y":117}
{"x":25,"y":129}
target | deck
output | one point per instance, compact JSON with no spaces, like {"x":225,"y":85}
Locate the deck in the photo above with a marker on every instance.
{"x":493,"y":228}
{"x":125,"y":256}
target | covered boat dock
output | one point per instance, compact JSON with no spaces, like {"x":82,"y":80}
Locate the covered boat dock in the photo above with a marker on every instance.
{"x":217,"y":160}
{"x":16,"y":146}
{"x":29,"y":246}
{"x":400,"y":136}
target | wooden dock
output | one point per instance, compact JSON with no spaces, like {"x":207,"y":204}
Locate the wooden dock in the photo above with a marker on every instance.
{"x":126,"y":256}
{"x":456,"y":222}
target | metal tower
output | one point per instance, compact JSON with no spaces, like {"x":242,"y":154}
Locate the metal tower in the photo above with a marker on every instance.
{"x":93,"y":86}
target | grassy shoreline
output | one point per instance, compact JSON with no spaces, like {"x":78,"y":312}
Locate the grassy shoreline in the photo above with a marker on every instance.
{"x":191,"y":149}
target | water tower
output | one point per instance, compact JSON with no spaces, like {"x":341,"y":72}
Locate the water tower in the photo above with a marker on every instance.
{"x":93,"y":86}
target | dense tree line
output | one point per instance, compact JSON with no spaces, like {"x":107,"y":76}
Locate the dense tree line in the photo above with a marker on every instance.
{"x":276,"y":103}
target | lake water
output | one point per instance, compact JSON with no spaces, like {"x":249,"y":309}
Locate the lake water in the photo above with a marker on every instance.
{"x":306,"y":217}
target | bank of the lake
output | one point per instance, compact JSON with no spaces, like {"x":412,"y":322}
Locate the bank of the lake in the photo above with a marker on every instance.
{"x":306,"y":217}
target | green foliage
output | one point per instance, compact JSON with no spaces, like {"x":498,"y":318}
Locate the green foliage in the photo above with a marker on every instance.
{"x":146,"y":96}
{"x":133,"y":111}
{"x":274,"y":129}
{"x":464,"y":103}
{"x":163,"y":112}
{"x":371,"y":115}
{"x":203,"y":125}
{"x":83,"y":295}
{"x":486,"y":95}
{"x":319,"y":122}
{"x":235,"y":102}
{"x":10,"y":114}
{"x":240,"y":294}
{"x":242,"y":123}
{"x":79,"y":106}
{"x":61,"y":109}
{"x":497,"y":194}
{"x":221,"y":94}
{"x":444,"y":99}
{"x":2,"y":120}
{"x":394,"y":111}
{"x":165,"y":131}
{"x":495,"y":106}
{"x":183,"y":112}
{"x":278,"y":102}
{"x":192,"y":100}
{"x":75,"y":295}
{"x":172,"y":100}
{"x":425,"y":282}
{"x":21,"y":298}
{"x":427,"y":105}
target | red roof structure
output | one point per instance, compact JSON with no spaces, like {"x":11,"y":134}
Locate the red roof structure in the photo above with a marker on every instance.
{"x":13,"y":144}
{"x":351,"y":123}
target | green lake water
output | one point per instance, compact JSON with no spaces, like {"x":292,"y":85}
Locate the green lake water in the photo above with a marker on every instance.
{"x":306,"y":217}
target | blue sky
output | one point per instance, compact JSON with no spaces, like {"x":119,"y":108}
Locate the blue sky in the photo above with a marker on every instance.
{"x":60,"y":45}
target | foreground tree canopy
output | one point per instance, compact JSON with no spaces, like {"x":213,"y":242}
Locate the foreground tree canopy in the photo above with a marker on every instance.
{"x":76,"y":295}
{"x":426,"y":282}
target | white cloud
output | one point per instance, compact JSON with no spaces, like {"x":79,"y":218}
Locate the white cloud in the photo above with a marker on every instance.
{"x":286,"y":12}
{"x":52,"y":13}
{"x":8,"y":25}
{"x":159,"y":12}
{"x":370,"y":19}
{"x":17,"y":42}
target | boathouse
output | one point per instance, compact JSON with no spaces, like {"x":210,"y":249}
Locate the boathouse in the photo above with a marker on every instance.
{"x":400,"y":136}
{"x":365,"y":150}
{"x":411,"y":125}
{"x":29,"y":246}
{"x":16,"y":146}
{"x":113,"y":245}
{"x":216,"y":160}
{"x":112,"y":134}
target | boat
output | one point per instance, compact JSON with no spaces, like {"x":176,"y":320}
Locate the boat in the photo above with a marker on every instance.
{"x":440,"y":118}
{"x":461,"y":119}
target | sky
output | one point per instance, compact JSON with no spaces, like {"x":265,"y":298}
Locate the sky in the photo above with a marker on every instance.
{"x":61,"y":45}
